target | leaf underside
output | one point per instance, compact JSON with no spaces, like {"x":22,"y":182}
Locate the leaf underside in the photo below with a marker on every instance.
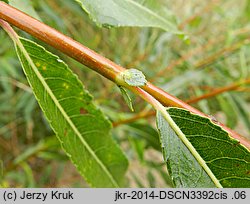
{"x":128,"y":13}
{"x":228,"y":160}
{"x":80,"y":126}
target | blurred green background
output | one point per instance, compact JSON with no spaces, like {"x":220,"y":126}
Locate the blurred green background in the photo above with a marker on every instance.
{"x":214,"y":59}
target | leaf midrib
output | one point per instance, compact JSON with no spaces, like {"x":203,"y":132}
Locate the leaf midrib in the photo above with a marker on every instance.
{"x":149,"y":11}
{"x":181,"y":135}
{"x":58,"y":105}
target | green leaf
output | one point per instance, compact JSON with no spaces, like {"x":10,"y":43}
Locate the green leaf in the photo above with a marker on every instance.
{"x":128,"y":13}
{"x":80,"y":126}
{"x":127,"y":98}
{"x":183,"y":168}
{"x":25,"y":6}
{"x":224,"y":158}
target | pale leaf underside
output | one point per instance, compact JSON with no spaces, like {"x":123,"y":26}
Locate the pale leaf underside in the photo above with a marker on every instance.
{"x":228,"y":160}
{"x":127,"y":13}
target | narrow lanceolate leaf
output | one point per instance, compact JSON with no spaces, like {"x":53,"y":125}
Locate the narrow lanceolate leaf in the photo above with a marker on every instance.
{"x":127,"y":98}
{"x":79,"y":125}
{"x":213,"y":158}
{"x":128,"y":13}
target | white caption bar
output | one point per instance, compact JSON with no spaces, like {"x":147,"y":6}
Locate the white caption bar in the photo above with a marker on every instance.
{"x":122,"y":195}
